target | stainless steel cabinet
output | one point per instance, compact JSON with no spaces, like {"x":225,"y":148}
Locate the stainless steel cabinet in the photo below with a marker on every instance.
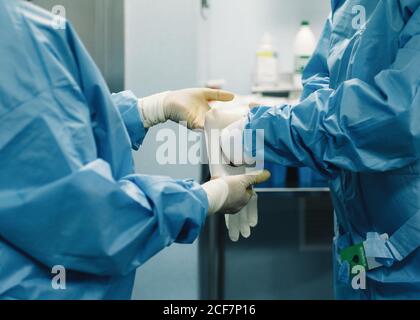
{"x":100,"y":24}
{"x":287,"y":257}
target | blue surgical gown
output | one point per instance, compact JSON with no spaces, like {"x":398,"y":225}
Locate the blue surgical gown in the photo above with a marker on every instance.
{"x":358,"y":123}
{"x":68,"y":193}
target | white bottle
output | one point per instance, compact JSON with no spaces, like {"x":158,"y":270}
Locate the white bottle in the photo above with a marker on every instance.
{"x":305,"y":44}
{"x":266,"y":73}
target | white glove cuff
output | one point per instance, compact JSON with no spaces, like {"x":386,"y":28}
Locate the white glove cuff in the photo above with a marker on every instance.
{"x":152,"y":109}
{"x":232,"y":144}
{"x":217,"y":193}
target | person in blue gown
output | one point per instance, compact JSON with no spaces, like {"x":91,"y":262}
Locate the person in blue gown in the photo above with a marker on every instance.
{"x":69,"y":197}
{"x":358,"y":124}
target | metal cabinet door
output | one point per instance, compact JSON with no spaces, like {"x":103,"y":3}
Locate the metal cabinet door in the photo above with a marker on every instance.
{"x":100,"y":24}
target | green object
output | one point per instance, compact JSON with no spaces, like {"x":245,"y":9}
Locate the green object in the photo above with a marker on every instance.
{"x":355,"y":256}
{"x":305,"y":23}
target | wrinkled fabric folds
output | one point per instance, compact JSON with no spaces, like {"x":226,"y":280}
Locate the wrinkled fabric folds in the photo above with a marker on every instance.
{"x":358,"y":124}
{"x":68,"y":192}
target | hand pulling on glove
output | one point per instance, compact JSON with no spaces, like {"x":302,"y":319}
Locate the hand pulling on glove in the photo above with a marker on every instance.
{"x":189,"y":105}
{"x":246,"y":202}
{"x":230,"y":194}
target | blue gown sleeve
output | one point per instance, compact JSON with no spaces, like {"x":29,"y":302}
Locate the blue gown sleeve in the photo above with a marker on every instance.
{"x":127,"y":104}
{"x":358,"y":126}
{"x":68,"y":192}
{"x":88,"y":222}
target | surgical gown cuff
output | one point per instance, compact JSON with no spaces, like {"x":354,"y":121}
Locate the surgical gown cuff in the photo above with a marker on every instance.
{"x":194,"y":223}
{"x":127,"y":104}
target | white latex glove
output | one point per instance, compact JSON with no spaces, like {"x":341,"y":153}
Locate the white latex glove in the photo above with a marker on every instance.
{"x":216,"y":120}
{"x":189,"y":105}
{"x":242,"y":222}
{"x":235,"y":131}
{"x":236,"y":155}
{"x":229,"y":195}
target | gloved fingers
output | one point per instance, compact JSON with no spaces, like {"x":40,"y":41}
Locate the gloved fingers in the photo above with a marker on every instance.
{"x":227,"y":220}
{"x":244,"y":223}
{"x":218,"y":95}
{"x":257,"y":178}
{"x":253,"y":105}
{"x":198,"y":123}
{"x":234,"y":225}
{"x":252,"y":210}
{"x":196,"y":117}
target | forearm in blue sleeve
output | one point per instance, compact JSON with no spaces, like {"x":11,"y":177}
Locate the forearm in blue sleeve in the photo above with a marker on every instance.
{"x":358,"y":127}
{"x":127,"y":105}
{"x":90,"y":223}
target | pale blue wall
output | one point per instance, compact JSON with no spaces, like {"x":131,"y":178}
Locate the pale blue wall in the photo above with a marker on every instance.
{"x":237,"y":27}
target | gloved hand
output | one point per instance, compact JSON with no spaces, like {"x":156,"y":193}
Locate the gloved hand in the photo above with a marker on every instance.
{"x":230,"y":194}
{"x":236,"y":155}
{"x":189,"y":105}
{"x":242,"y":222}
{"x":216,"y":120}
{"x":234,"y":131}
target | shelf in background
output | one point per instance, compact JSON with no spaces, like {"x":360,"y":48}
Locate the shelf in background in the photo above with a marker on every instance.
{"x":294,"y":191}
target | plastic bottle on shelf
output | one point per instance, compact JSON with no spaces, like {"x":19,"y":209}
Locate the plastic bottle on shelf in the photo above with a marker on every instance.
{"x":304,"y":47}
{"x":266,"y":73}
